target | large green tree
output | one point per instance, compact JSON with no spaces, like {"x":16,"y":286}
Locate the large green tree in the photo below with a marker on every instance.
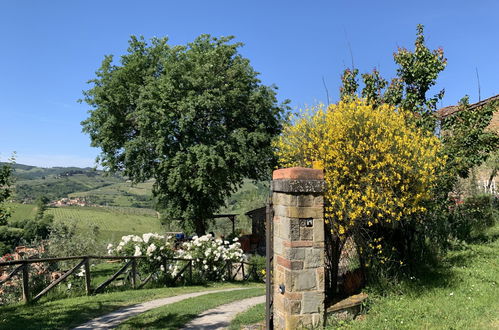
{"x":6,"y":182}
{"x":196,"y":118}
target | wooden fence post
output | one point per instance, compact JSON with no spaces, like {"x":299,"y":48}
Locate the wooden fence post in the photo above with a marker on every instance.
{"x":190,"y":271}
{"x":26,"y":297}
{"x":134,"y":273}
{"x":229,"y":270}
{"x":86,"y":266}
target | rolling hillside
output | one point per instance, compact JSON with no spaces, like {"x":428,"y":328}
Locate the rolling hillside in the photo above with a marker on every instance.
{"x":97,"y":187}
{"x":113,"y":222}
{"x":120,"y":208}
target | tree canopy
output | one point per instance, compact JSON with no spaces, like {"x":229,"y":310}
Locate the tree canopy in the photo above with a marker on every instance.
{"x":196,"y":118}
{"x":6,"y":182}
{"x":417,"y":73}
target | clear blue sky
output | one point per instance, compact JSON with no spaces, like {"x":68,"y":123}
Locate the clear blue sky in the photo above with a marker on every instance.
{"x":49,"y":49}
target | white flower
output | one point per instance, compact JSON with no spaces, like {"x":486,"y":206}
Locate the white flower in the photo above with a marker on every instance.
{"x":146,"y":237}
{"x":138,"y":252}
{"x":236,"y":239}
{"x":137,"y":239}
{"x":205,"y":266}
{"x":162,"y":268}
{"x":125,"y":239}
{"x":150,"y":250}
{"x":226,"y":242}
{"x":81,"y":273}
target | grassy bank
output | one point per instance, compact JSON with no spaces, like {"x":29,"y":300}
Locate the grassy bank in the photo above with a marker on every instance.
{"x":462,"y":293}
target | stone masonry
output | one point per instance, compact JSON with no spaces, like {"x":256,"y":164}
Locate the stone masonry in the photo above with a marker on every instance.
{"x":297,"y":197}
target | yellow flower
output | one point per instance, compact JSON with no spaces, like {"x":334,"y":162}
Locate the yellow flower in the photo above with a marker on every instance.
{"x":397,"y":161}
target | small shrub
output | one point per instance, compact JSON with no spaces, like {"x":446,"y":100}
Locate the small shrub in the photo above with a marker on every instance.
{"x":157,"y":248}
{"x":260,"y":265}
{"x":472,"y":217}
{"x":210,"y":256}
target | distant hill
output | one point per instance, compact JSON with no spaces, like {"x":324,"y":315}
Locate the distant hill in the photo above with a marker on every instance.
{"x":112,"y":222}
{"x":96,"y":186}
{"x":113,"y":190}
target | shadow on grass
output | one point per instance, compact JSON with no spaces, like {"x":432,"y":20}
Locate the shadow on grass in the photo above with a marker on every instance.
{"x":168,"y":321}
{"x":484,"y":238}
{"x":60,"y":317}
{"x":445,"y":272}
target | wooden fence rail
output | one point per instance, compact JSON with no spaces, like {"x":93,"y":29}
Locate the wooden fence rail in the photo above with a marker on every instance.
{"x":84,"y":261}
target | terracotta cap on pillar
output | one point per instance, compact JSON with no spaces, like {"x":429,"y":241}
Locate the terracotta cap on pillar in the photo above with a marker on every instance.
{"x":298,"y":173}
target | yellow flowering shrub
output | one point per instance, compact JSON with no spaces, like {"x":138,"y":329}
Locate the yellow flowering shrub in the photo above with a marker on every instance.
{"x":378,"y":166}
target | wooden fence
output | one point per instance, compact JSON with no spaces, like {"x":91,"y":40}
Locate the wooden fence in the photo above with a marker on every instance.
{"x":131,"y":262}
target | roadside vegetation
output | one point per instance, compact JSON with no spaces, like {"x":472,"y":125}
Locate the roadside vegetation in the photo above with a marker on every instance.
{"x":68,"y":313}
{"x":176,"y":315}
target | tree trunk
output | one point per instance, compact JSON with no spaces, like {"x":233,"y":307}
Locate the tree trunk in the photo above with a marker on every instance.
{"x":491,"y":177}
{"x":200,"y":227}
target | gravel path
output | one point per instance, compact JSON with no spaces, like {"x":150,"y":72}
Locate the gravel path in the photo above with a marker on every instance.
{"x":220,"y":317}
{"x":113,"y":319}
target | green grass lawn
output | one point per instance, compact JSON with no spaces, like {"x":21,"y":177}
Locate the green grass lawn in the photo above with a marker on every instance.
{"x":253,"y":315}
{"x":178,"y":314}
{"x":462,"y":294}
{"x":68,"y":313}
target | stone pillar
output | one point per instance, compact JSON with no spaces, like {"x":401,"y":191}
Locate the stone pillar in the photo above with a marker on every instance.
{"x":297,"y":197}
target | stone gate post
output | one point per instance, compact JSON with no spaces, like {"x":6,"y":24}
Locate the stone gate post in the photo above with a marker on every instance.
{"x":297,"y":197}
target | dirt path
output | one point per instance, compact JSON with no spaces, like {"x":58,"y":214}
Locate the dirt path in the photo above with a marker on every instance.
{"x":220,"y":317}
{"x":113,"y":319}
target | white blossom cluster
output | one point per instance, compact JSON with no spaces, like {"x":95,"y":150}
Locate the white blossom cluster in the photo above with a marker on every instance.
{"x":157,"y":248}
{"x":209,"y":255}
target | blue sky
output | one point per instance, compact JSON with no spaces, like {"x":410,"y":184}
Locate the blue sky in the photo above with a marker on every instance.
{"x":49,"y":49}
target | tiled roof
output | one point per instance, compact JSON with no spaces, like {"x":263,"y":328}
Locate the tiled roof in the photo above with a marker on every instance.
{"x":447,"y":111}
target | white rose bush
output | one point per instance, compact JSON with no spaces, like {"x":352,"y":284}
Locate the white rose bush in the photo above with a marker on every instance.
{"x":209,"y":255}
{"x":158,"y":250}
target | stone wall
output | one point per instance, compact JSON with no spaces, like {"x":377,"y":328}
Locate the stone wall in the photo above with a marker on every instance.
{"x":297,"y":197}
